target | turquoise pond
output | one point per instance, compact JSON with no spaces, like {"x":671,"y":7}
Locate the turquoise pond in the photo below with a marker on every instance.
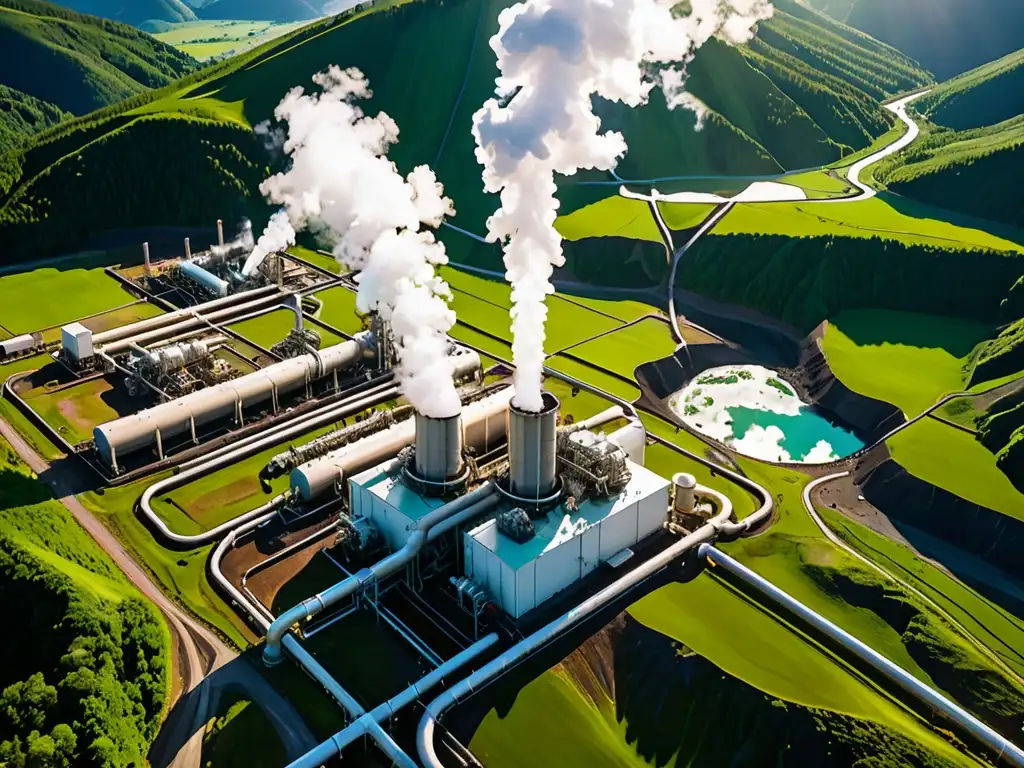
{"x":802,"y":432}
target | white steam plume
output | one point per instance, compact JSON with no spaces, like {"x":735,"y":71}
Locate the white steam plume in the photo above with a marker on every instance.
{"x":278,"y":236}
{"x":553,"y":57}
{"x":342,"y":186}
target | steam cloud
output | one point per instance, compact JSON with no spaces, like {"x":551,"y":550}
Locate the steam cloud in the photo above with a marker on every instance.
{"x":342,"y":186}
{"x":553,"y":56}
{"x":278,"y":235}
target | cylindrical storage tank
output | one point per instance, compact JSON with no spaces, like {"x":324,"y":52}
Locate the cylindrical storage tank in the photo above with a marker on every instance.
{"x":18,"y":344}
{"x":683,"y":486}
{"x":208,"y":280}
{"x":137,"y":431}
{"x":438,"y":448}
{"x":532,"y":439}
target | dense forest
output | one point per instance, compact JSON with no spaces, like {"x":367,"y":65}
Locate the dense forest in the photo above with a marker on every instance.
{"x":87,"y":662}
{"x":805,"y":280}
{"x":55,"y":63}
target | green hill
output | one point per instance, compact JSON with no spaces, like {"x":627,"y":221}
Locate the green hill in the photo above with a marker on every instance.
{"x":948,"y":37}
{"x":92,"y":666}
{"x":262,"y":10}
{"x":767,"y":111}
{"x":22,"y":116}
{"x":80,"y":63}
{"x":134,"y":12}
{"x":984,"y":96}
{"x":976,"y":172}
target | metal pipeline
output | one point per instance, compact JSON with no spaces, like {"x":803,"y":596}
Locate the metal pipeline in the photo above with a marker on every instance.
{"x":172,"y":318}
{"x":367,"y":577}
{"x":189,"y":320}
{"x":364,"y":725}
{"x":237,"y":453}
{"x":551,"y":631}
{"x":896,"y":674}
{"x":318,"y":418}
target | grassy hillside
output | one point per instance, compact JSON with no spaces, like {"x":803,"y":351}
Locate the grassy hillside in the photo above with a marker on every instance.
{"x":272,"y":10}
{"x":80,"y":63}
{"x":90,"y":667}
{"x":948,"y":37}
{"x":22,"y":116}
{"x":208,"y":39}
{"x":984,"y":96}
{"x":766,"y":113}
{"x":134,"y":12}
{"x":975,"y":172}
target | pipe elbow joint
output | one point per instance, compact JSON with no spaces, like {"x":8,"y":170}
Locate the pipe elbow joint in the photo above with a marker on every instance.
{"x":272,"y":653}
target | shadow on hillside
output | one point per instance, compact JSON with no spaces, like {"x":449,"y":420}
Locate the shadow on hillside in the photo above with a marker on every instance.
{"x":919,"y":210}
{"x":18,"y":490}
{"x":914,"y":330}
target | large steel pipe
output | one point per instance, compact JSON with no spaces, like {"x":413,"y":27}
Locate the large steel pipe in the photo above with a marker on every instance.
{"x":891,"y":671}
{"x":188,"y":413}
{"x":480,"y":420}
{"x":125,"y":331}
{"x":532,"y":440}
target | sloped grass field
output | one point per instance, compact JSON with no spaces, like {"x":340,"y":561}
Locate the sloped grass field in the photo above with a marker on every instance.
{"x":885,"y":218}
{"x":905,"y":359}
{"x":83,"y":607}
{"x":954,"y":460}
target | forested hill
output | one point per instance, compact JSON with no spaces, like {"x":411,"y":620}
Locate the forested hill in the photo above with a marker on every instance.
{"x":134,"y":12}
{"x":806,"y":92}
{"x":138,"y":12}
{"x":80,"y":63}
{"x":948,"y":37}
{"x":87,"y":671}
{"x":22,"y":116}
{"x":984,"y":96}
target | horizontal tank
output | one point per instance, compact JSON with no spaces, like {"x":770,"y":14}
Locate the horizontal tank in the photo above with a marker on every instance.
{"x":131,"y":433}
{"x":532,"y":442}
{"x":481,"y":421}
{"x":438,"y":448}
{"x":208,"y":280}
{"x":18,"y":344}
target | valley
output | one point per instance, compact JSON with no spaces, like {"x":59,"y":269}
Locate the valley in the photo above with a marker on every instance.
{"x":792,"y":307}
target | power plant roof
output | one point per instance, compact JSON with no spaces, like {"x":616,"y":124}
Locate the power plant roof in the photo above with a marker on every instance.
{"x":563,"y":524}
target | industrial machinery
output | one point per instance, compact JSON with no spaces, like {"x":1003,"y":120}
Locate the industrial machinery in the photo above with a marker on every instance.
{"x":591,"y":464}
{"x":286,"y":461}
{"x":20,"y":346}
{"x":177,"y":369}
{"x":297,"y":342}
{"x":230,"y":399}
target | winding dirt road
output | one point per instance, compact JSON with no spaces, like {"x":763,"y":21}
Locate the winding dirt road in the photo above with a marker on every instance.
{"x":201,"y":655}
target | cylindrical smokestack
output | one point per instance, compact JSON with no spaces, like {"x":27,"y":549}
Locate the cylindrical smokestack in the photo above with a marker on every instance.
{"x":220,"y":232}
{"x":438,"y":448}
{"x":145,"y":259}
{"x":532,"y":439}
{"x":188,"y":249}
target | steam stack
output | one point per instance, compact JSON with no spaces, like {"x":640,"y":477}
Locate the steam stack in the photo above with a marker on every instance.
{"x":532,"y":440}
{"x":220,"y":232}
{"x":188,"y":249}
{"x":437,"y":464}
{"x":145,"y":259}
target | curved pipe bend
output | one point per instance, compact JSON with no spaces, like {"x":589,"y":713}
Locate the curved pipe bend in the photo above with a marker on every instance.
{"x":365,"y":578}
